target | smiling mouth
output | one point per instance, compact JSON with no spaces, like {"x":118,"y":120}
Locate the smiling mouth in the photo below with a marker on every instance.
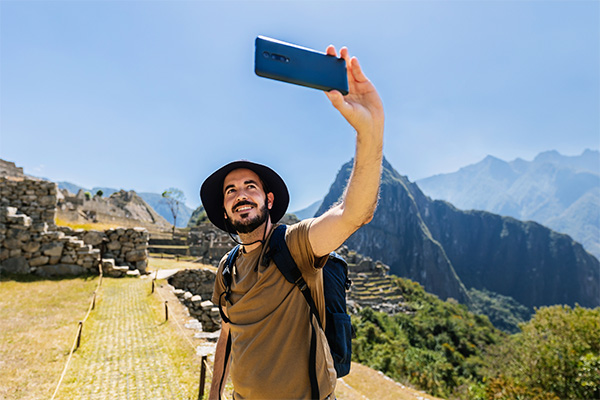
{"x":244,"y":207}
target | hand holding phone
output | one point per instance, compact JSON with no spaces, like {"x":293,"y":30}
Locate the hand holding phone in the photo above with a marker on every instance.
{"x":290,"y":63}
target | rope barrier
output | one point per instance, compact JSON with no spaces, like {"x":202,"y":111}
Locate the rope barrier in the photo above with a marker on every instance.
{"x":77,"y":340}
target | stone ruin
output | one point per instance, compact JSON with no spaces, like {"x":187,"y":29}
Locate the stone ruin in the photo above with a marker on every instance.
{"x":194,"y":288}
{"x":31,"y":243}
{"x":209,"y":244}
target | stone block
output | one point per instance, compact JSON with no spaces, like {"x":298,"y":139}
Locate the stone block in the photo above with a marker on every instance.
{"x":141,"y":266}
{"x":37,"y":261}
{"x":135,"y":255}
{"x":15,"y":265}
{"x":68,"y":259}
{"x":53,"y":249}
{"x":207,"y":305}
{"x":15,"y":253}
{"x":93,"y":238}
{"x":60,"y":270}
{"x":12,"y":244}
{"x":114,"y":245}
{"x":31,"y":246}
{"x":47,"y":200}
{"x":40,"y":227}
{"x":196,"y":299}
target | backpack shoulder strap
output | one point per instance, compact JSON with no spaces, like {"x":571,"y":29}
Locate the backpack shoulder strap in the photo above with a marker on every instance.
{"x":280,"y":254}
{"x":227,"y":270}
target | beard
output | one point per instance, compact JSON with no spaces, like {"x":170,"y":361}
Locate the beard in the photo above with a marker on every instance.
{"x":249,"y":225}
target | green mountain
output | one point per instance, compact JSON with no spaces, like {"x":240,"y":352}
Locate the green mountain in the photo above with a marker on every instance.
{"x":449,"y":251}
{"x":561,"y":192}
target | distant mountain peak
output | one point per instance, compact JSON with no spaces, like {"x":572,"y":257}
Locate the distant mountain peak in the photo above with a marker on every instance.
{"x":555,"y":190}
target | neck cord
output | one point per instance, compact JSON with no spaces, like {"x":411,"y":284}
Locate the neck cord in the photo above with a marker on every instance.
{"x":262,"y":241}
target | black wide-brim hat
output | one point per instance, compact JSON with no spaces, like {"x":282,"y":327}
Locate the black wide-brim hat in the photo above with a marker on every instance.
{"x":211,"y":192}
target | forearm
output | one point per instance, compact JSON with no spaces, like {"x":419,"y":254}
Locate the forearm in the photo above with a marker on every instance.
{"x":219,"y":363}
{"x":360,"y":198}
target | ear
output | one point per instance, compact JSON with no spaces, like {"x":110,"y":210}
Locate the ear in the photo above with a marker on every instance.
{"x":270,"y":200}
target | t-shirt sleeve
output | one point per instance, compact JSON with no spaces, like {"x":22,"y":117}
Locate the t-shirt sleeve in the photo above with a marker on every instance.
{"x":219,"y":284}
{"x":296,"y":237}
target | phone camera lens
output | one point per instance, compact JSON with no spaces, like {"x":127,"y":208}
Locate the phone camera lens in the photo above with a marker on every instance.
{"x":266,"y":54}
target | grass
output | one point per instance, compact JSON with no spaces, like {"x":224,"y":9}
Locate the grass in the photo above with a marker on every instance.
{"x":130,"y":351}
{"x":39,"y":320}
{"x":98,"y":226}
{"x":38,"y":323}
{"x":155,"y":263}
{"x":371,"y":384}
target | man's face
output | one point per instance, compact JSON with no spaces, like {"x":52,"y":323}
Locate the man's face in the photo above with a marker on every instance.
{"x":245,"y":201}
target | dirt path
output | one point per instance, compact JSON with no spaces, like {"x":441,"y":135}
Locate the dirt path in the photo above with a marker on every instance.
{"x":126,"y":351}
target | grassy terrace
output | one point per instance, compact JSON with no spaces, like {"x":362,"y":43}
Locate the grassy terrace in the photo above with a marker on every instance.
{"x":127,"y":349}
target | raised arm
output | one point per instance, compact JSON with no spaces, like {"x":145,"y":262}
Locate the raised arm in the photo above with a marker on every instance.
{"x":363,"y":109}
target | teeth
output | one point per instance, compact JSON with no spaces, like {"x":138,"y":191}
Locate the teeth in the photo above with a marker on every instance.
{"x":244,"y":208}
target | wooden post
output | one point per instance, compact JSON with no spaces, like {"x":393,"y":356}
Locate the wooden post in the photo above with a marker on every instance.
{"x":202,"y":378}
{"x":166,"y":311}
{"x":94,"y":301}
{"x":152,"y":286}
{"x":79,"y":334}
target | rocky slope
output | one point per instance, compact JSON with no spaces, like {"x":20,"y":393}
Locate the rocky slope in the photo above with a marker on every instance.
{"x":446,"y":249}
{"x":121,"y":208}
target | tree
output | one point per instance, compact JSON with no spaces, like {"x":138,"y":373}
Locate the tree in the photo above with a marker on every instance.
{"x":99,"y":193}
{"x":556,"y":353}
{"x":173,"y":197}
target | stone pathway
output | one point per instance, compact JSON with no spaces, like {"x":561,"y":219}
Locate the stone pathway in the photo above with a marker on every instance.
{"x":123,"y":355}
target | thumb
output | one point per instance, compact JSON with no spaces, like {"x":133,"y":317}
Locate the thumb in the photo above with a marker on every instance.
{"x":336,"y":98}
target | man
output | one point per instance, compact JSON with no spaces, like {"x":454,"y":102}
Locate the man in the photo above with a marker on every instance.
{"x":269,"y":323}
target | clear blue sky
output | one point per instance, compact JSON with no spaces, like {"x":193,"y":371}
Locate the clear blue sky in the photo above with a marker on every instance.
{"x":147,"y":95}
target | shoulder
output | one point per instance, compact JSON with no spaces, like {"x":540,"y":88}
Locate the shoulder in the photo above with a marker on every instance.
{"x":296,"y":238}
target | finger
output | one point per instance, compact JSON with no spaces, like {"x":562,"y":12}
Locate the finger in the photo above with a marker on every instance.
{"x":344,"y":54}
{"x":331,"y":50}
{"x":357,"y":71}
{"x":336,"y":98}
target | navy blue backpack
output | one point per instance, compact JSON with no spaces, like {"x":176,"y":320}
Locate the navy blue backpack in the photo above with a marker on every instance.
{"x":338,"y":329}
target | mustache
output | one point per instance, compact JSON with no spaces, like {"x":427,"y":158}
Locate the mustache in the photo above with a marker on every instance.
{"x":243,"y":203}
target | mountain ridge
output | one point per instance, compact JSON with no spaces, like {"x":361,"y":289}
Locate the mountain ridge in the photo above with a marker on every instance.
{"x":561,"y":192}
{"x":448,"y":250}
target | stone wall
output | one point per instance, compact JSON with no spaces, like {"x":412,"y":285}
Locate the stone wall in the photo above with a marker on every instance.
{"x":30,"y":242}
{"x":194,"y":288}
{"x":209,"y":244}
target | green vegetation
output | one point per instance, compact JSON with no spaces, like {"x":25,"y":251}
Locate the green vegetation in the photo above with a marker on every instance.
{"x":443,"y":349}
{"x":198,"y":217}
{"x":504,"y":312}
{"x":556,"y":355}
{"x":435,"y":345}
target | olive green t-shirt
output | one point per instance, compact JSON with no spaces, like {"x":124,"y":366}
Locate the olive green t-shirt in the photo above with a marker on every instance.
{"x":270,"y":328}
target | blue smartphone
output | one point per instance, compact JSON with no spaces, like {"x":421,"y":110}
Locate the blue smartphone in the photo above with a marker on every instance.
{"x":290,"y":63}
